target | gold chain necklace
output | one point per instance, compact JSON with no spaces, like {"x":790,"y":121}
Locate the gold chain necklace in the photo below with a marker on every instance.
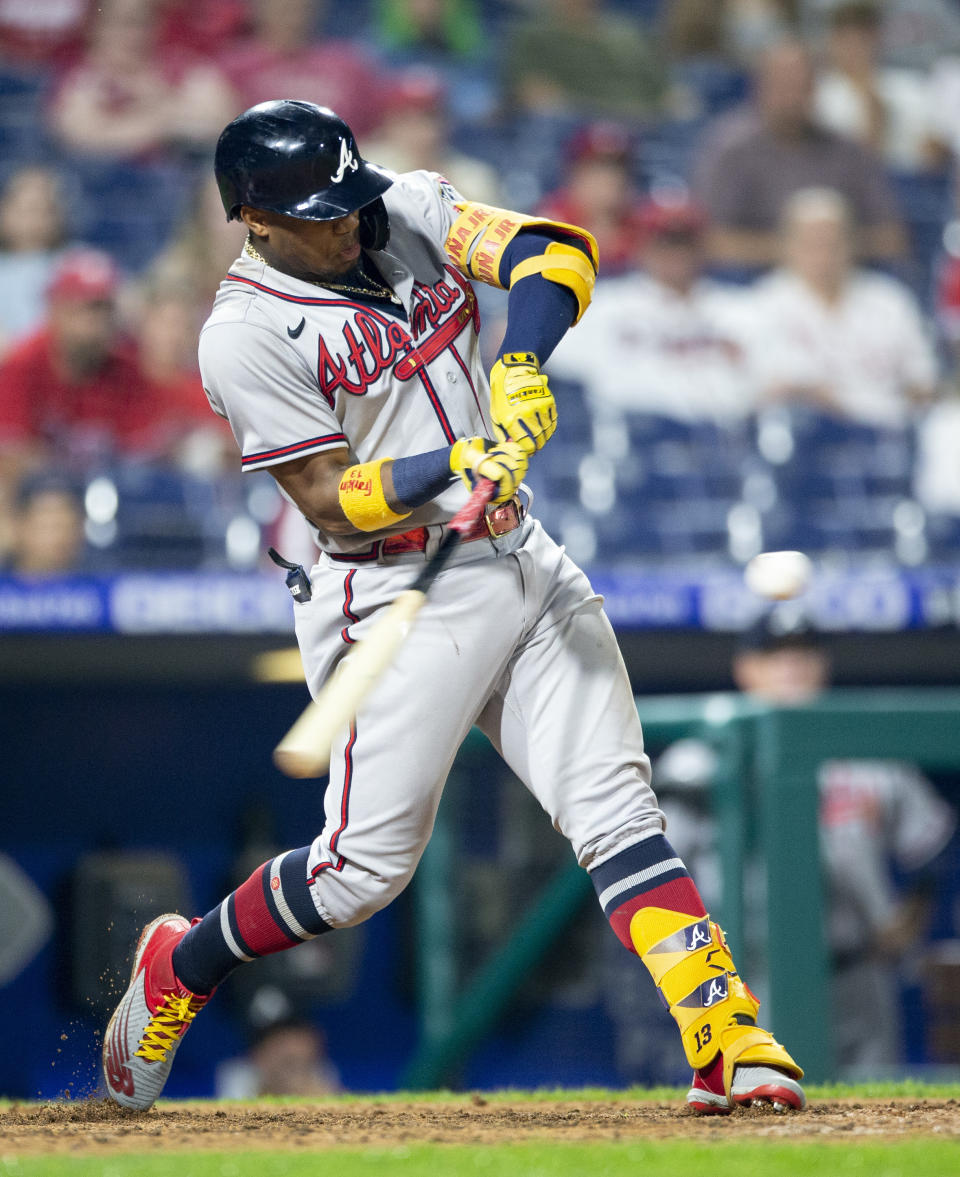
{"x":373,"y":290}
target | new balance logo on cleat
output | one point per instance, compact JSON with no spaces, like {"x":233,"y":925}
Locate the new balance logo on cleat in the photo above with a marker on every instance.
{"x":149,"y":1023}
{"x":115,"y":1058}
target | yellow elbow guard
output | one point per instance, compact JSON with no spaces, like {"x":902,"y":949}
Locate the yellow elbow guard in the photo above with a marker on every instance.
{"x":564,"y":264}
{"x":481,"y":233}
{"x":362,"y":499}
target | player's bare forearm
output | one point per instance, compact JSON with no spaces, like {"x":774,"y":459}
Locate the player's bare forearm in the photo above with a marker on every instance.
{"x":313,"y":483}
{"x":316,"y":485}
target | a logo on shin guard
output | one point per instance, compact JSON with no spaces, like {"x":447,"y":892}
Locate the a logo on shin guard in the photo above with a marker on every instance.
{"x":687,"y":939}
{"x":707,"y":994}
{"x":697,"y":936}
{"x":713,"y":991}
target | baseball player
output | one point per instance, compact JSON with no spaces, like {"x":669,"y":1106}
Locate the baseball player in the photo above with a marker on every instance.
{"x":884,"y":831}
{"x":342,"y":348}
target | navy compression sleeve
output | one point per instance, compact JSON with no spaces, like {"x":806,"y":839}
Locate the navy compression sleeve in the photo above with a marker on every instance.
{"x":539,"y":312}
{"x":421,"y":477}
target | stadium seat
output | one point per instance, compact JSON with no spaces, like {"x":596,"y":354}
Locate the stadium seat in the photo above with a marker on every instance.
{"x":837,"y":483}
{"x":160,"y":518}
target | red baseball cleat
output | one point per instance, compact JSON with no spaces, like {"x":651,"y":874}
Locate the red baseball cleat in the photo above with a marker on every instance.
{"x":752,"y":1085}
{"x":154,"y":1014}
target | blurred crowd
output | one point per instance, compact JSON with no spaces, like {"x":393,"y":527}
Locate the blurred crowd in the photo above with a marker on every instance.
{"x":772,"y":355}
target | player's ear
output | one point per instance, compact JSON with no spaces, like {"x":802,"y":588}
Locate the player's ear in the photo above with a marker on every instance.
{"x":255,"y":220}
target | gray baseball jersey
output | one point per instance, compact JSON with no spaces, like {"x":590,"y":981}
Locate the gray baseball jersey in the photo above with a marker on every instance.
{"x":512,"y":638}
{"x":296,"y":370}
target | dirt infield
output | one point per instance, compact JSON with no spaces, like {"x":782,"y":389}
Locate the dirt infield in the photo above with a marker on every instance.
{"x":98,"y":1127}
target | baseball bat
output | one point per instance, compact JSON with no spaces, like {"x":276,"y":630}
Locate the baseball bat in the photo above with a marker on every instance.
{"x":305,"y":750}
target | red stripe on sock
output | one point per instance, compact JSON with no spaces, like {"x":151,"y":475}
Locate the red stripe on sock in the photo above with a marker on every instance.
{"x":677,"y":895}
{"x":259,"y":930}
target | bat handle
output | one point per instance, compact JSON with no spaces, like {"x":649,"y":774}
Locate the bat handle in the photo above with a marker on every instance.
{"x":468,"y":514}
{"x":458,"y":526}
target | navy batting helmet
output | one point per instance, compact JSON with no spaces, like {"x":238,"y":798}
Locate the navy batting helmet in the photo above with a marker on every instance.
{"x":301,"y":160}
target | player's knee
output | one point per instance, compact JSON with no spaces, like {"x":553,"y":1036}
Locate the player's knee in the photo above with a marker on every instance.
{"x":372,"y":893}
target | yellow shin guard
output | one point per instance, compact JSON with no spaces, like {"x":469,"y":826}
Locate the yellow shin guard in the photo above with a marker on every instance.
{"x":691,"y":965}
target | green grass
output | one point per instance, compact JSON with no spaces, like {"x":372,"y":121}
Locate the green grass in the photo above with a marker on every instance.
{"x":728,"y":1158}
{"x":715,"y":1155}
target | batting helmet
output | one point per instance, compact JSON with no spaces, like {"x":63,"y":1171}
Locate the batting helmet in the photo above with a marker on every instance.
{"x":301,"y":160}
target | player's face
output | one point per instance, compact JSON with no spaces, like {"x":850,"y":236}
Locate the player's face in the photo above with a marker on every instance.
{"x":788,"y":676}
{"x":311,"y":250}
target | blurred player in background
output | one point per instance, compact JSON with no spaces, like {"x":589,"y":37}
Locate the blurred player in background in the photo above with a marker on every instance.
{"x":286,"y":1057}
{"x":878,"y":819}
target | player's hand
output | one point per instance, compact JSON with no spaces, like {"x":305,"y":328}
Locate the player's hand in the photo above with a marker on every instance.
{"x":521,"y":405}
{"x":503,"y":462}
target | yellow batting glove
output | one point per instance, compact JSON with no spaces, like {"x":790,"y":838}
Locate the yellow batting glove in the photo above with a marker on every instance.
{"x":521,"y":405}
{"x":504,"y":463}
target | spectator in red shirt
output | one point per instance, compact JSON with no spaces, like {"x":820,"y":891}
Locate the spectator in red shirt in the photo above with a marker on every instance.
{"x":126,"y":100}
{"x":168,"y":326}
{"x":201,"y":26}
{"x":74,"y":391}
{"x":39,"y":33}
{"x":599,"y":192}
{"x":284,"y":56}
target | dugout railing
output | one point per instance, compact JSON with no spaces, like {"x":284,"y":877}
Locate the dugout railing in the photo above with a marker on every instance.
{"x":765,"y":795}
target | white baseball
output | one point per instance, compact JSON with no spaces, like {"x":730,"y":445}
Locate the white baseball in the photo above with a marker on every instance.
{"x":778,"y":576}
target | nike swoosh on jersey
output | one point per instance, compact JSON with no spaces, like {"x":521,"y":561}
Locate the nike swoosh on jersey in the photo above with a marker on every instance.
{"x":296,"y":332}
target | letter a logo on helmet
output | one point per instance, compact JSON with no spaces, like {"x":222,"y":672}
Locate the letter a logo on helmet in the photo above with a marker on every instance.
{"x":301,"y":160}
{"x":347,"y":161}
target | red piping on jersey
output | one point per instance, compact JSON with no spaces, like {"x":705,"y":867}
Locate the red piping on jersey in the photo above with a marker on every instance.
{"x":310,"y":302}
{"x":296,"y":448}
{"x":344,"y":806}
{"x":466,"y":371}
{"x":434,"y":396}
{"x":448,"y":432}
{"x":347,"y":602}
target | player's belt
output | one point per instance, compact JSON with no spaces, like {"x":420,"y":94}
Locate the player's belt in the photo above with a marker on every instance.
{"x":500,"y":521}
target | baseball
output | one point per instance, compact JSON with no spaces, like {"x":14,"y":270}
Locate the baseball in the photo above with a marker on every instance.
{"x":778,"y":576}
